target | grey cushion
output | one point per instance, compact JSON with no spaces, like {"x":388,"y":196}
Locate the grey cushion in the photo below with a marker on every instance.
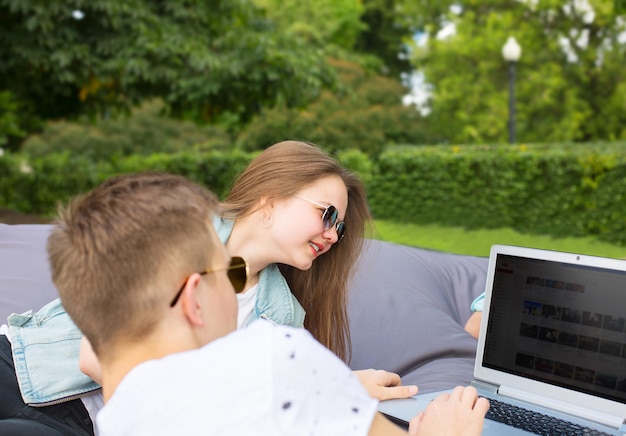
{"x":407,"y":306}
{"x":25,"y":281}
{"x":407,"y":309}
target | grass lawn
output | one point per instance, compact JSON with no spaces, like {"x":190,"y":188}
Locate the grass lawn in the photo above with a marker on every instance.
{"x":478,"y":242}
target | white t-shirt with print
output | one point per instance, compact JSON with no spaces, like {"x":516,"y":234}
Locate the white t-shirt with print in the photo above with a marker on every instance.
{"x":262,"y":380}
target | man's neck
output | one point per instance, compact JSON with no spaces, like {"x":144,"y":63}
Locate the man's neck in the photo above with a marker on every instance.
{"x":127,"y":356}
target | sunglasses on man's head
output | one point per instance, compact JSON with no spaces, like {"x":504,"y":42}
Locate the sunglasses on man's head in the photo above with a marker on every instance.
{"x":237,"y":273}
{"x":329,"y":218}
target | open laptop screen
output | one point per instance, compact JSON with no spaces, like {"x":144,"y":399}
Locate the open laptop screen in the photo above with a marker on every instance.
{"x":559,"y":323}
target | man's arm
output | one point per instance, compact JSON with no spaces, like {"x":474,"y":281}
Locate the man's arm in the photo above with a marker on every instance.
{"x":313,"y":384}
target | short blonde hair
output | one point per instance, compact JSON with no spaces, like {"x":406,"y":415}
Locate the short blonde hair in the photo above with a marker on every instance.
{"x":118,"y":252}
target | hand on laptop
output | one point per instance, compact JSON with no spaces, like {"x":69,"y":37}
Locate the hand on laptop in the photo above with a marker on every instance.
{"x":458,"y":413}
{"x":384,"y":385}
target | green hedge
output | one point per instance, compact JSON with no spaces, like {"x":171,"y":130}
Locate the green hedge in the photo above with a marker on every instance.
{"x":560,"y":190}
{"x":571,"y":190}
{"x":37,"y":185}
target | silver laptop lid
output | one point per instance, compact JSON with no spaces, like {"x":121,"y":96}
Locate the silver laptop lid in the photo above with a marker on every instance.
{"x":554,"y":327}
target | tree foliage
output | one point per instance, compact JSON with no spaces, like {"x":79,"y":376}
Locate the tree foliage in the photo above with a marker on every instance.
{"x":571,"y":78}
{"x":145,"y":131}
{"x":387,"y":35}
{"x":371,"y":32}
{"x":62,"y":58}
{"x":9,"y":118}
{"x":365,"y":113}
{"x":321,"y":22}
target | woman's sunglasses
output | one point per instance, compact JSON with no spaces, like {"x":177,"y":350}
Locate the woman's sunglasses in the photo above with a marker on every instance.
{"x":329,"y":218}
{"x":237,"y":273}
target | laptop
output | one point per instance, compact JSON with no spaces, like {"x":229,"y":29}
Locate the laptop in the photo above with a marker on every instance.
{"x":552,"y":341}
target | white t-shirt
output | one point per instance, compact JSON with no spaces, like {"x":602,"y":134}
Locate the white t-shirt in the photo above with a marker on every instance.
{"x":262,"y":380}
{"x":245,"y":303}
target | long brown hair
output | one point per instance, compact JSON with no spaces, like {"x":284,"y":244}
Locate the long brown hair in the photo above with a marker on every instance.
{"x":279,"y":172}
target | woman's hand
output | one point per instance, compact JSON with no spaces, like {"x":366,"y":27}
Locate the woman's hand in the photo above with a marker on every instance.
{"x":384,"y":385}
{"x":88,"y":362}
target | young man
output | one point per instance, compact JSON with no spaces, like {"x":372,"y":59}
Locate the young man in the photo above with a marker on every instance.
{"x":142,"y":273}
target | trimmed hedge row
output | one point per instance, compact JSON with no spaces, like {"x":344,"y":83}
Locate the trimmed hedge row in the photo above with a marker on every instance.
{"x":573,"y":190}
{"x":36,"y":186}
{"x":564,"y":190}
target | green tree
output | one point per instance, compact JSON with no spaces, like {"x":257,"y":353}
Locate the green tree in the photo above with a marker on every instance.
{"x":321,"y":22}
{"x":9,"y":119}
{"x":371,"y":32}
{"x":146,"y":130}
{"x":571,"y":81}
{"x":365,"y":41}
{"x":387,"y":35}
{"x":365,"y":113}
{"x":63,"y":58}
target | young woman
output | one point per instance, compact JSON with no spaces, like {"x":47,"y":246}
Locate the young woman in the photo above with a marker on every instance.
{"x":296,"y":211}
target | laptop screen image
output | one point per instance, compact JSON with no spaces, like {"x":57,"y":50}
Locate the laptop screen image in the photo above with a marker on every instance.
{"x":551,"y":353}
{"x":558,"y":323}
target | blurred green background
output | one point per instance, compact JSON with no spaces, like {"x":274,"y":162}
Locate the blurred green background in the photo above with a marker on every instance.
{"x":414,"y":96}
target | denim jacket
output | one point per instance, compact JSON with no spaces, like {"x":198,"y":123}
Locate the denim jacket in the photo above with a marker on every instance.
{"x":46,"y":344}
{"x":478,"y":303}
{"x":274,"y":300}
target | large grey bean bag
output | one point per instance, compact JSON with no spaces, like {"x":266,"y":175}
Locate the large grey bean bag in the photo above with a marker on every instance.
{"x":407,"y":306}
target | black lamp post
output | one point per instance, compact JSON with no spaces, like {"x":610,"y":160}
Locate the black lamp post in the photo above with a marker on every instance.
{"x":511,"y":53}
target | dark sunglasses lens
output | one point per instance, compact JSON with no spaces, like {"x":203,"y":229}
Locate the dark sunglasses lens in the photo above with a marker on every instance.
{"x":341,"y":228}
{"x":330,"y":217}
{"x":237,"y":273}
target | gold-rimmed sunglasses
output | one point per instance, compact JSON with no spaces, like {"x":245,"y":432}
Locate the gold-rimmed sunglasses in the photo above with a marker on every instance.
{"x":237,"y":273}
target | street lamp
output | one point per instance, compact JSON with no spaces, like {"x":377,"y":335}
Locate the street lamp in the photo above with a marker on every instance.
{"x":511,"y":51}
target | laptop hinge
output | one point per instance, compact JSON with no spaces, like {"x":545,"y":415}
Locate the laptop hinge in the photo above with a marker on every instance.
{"x":602,"y":418}
{"x":484,"y":386}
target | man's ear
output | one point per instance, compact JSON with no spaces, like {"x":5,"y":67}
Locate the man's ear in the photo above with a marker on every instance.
{"x":191,"y":304}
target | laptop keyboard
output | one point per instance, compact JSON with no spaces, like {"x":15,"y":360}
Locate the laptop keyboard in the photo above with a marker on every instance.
{"x":535,"y":422}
